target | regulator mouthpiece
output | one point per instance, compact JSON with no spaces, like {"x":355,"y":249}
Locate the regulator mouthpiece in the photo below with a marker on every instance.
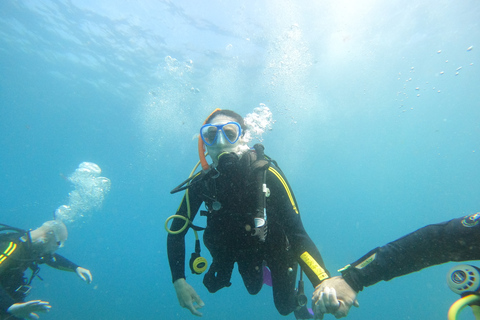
{"x":463,"y":279}
{"x":227,"y":162}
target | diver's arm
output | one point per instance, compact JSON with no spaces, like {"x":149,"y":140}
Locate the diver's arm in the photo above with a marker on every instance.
{"x":308,"y":256}
{"x":176,"y":242}
{"x":283,"y":205}
{"x":454,"y":240}
{"x":176,"y":255}
{"x":5,"y":302}
{"x":187,"y":297}
{"x":176,"y":245}
{"x":60,"y":262}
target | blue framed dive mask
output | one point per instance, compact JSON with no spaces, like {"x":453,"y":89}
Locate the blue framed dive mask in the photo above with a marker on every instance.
{"x":230,"y":130}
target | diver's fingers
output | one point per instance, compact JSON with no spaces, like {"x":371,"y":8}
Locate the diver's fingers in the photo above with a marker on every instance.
{"x":193,"y":309}
{"x":84,"y":274}
{"x":33,"y":316}
{"x":88,"y":276}
{"x":193,"y":304}
{"x":200,"y":303}
{"x":321,"y":303}
{"x":197,"y":299}
{"x":333,"y":303}
{"x":319,"y":307}
{"x":36,"y":306}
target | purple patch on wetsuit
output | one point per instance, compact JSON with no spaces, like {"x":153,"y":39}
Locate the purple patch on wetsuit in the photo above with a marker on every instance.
{"x":267,"y":276}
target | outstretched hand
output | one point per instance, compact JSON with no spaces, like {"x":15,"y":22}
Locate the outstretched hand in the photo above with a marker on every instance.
{"x":187,"y":297}
{"x":84,"y":274}
{"x":333,"y":296}
{"x":26,"y":310}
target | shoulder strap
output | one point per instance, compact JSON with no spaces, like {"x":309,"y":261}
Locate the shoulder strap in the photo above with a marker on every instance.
{"x":260,"y":163}
{"x":35,"y":270}
{"x":258,"y":170}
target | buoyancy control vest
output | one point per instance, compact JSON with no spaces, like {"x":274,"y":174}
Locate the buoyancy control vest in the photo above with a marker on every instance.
{"x":256,"y":166}
{"x":20,"y":286}
{"x":240,"y":184}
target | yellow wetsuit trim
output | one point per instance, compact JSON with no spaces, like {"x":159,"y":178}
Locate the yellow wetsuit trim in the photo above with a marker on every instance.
{"x":313,"y":264}
{"x":366,"y":262}
{"x":11,"y":247}
{"x":285,"y":185}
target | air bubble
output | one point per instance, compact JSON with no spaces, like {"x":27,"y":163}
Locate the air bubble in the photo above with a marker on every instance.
{"x":257,"y":122}
{"x":88,"y":194}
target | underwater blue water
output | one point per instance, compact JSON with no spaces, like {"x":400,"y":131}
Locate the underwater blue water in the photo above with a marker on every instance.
{"x":377,"y":127}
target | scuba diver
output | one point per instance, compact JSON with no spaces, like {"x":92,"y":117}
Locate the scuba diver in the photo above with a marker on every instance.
{"x":20,"y":250}
{"x":453,"y":240}
{"x":252,"y":220}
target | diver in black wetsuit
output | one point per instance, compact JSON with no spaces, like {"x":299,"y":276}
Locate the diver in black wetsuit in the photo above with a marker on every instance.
{"x":238,"y":230}
{"x":20,"y":250}
{"x":454,"y":240}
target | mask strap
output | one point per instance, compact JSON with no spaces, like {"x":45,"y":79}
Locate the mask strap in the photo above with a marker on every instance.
{"x":201,"y":146}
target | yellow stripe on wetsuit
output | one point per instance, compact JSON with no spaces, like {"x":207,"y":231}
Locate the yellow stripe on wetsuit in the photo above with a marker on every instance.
{"x":11,"y":247}
{"x":285,"y":185}
{"x":313,"y":264}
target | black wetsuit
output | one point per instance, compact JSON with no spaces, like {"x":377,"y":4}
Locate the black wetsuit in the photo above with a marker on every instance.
{"x":454,"y":240}
{"x":229,"y":240}
{"x":16,"y":256}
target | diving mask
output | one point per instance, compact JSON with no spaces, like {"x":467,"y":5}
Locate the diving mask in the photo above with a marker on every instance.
{"x":210,"y":132}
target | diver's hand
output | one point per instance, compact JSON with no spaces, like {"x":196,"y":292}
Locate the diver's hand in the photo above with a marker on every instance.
{"x":333,"y":296}
{"x":84,"y":274}
{"x":26,"y":310}
{"x":187,"y":297}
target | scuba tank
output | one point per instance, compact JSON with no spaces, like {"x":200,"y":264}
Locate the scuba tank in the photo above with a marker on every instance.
{"x":464,"y":280}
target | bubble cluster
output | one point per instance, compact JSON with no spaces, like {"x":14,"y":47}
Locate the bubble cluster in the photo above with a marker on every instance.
{"x":258,"y":122}
{"x":88,"y":194}
{"x":176,"y":68}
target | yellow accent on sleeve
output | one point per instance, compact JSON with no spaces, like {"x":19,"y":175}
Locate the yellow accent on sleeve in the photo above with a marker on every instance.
{"x":366,"y":262}
{"x":11,"y":247}
{"x":344,"y":268}
{"x":285,"y":185}
{"x":313,"y":264}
